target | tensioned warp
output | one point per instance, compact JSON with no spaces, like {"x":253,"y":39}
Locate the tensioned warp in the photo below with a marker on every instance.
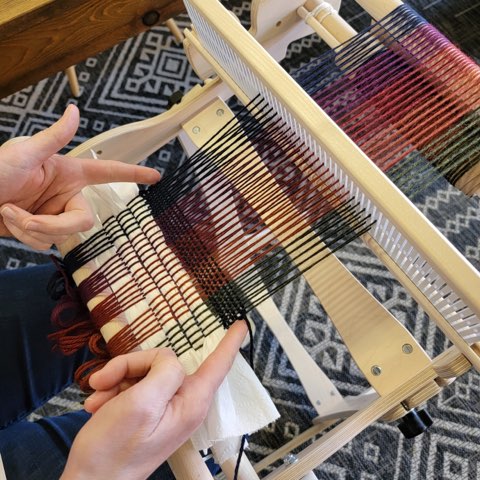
{"x":246,"y":214}
{"x":404,"y":94}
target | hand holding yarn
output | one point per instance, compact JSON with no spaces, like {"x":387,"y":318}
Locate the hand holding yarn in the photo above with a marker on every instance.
{"x":40,"y":191}
{"x":144,"y":408}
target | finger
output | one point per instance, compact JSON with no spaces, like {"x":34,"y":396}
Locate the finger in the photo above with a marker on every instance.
{"x":15,"y":219}
{"x":98,"y":398}
{"x":109,"y":171}
{"x":44,"y":144}
{"x":214,"y":369}
{"x":132,"y":365}
{"x":76,"y":218}
{"x":52,"y":228}
{"x":162,"y":382}
{"x":25,"y":238}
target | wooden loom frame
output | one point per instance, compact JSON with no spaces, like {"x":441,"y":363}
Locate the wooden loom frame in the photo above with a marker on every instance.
{"x":423,"y":378}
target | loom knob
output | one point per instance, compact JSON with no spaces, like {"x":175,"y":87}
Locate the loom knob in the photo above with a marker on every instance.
{"x":414,"y":423}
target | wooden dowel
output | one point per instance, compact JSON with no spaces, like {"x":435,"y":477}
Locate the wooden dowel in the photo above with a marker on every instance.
{"x":187,"y":464}
{"x":245,"y":472}
{"x":175,"y":30}
{"x":318,"y":28}
{"x":379,"y":9}
{"x":332,"y":28}
{"x":73,"y":81}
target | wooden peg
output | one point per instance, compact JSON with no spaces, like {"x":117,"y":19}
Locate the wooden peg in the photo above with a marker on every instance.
{"x":187,"y":464}
{"x":73,"y":81}
{"x":175,"y":30}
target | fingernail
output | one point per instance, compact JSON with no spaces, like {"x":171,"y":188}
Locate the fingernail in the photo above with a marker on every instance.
{"x":8,"y":213}
{"x":32,"y":226}
{"x":89,"y":399}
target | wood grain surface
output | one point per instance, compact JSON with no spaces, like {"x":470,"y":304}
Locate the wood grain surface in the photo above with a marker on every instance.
{"x":39,"y":38}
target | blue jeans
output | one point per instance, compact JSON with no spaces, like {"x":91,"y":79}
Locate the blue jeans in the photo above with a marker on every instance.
{"x":30,"y":374}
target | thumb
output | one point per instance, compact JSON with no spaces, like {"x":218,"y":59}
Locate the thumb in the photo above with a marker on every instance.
{"x":46,"y":143}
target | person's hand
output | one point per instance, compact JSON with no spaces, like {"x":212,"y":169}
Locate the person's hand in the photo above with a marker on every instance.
{"x":40,"y":191}
{"x":137,"y":424}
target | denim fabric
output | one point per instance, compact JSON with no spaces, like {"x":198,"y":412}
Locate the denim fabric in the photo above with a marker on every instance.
{"x":30,"y":374}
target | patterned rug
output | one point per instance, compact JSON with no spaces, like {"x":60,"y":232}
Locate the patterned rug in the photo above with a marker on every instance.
{"x":133,"y":81}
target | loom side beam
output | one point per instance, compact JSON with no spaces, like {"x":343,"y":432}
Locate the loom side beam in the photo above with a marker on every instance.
{"x":134,"y":142}
{"x":323,"y":448}
{"x":470,"y":353}
{"x":448,"y":365}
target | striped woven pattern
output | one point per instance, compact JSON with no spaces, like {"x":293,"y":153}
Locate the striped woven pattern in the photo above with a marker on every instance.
{"x":244,"y":216}
{"x":406,"y":95}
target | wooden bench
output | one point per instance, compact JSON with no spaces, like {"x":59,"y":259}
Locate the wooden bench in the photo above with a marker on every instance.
{"x":39,"y":38}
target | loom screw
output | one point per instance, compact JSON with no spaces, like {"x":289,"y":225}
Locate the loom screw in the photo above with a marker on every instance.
{"x":376,"y":370}
{"x":196,"y":130}
{"x":290,"y":459}
{"x":220,"y":112}
{"x":407,"y":348}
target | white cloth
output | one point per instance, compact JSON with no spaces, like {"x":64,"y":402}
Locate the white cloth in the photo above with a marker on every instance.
{"x":241,"y":404}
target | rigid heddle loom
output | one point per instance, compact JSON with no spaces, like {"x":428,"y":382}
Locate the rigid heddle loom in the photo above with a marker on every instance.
{"x":269,"y":193}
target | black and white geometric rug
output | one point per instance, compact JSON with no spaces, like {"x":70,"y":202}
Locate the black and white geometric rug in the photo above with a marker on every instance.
{"x":133,"y":81}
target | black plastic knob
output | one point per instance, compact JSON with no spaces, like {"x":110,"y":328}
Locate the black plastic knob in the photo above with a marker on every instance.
{"x":414,"y":423}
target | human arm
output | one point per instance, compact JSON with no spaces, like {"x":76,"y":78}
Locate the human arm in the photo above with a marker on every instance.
{"x":40,"y":191}
{"x":136,"y":426}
